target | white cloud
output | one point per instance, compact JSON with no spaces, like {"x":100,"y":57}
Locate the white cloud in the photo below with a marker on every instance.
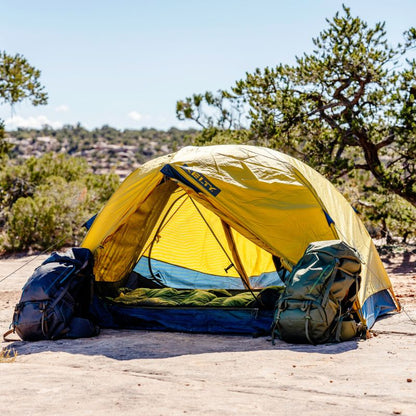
{"x":31,"y":122}
{"x":159,"y":121}
{"x":135,"y":115}
{"x":62,"y":108}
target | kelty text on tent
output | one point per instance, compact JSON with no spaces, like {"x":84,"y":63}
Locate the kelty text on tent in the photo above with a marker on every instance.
{"x":206,"y":183}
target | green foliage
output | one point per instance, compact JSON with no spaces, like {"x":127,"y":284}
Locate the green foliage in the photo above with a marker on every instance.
{"x":210,"y":110}
{"x":101,"y":187}
{"x":45,"y":201}
{"x":385,"y":215}
{"x":347,"y":108}
{"x":21,"y":180}
{"x":4,"y":146}
{"x":53,"y":213}
{"x":389,"y":215}
{"x":213,"y":135}
{"x":19,"y":81}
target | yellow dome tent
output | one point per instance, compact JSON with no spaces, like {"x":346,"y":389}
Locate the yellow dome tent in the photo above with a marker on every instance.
{"x":215,"y":216}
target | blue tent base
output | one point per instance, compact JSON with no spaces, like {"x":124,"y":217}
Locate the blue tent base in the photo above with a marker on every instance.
{"x":379,"y":304}
{"x":247,"y":321}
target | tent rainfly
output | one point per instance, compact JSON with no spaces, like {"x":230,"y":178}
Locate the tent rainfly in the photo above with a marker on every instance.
{"x":218,"y":218}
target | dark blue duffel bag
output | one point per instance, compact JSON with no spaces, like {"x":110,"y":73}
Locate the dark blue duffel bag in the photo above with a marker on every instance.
{"x":55,"y":300}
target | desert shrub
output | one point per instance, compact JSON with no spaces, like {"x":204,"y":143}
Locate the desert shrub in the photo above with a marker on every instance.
{"x":390,"y":217}
{"x":51,"y":216}
{"x":19,"y":179}
{"x":44,"y":202}
{"x":100,"y":188}
{"x":385,"y":215}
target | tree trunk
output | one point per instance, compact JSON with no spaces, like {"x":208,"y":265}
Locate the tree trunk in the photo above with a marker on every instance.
{"x":377,"y":169}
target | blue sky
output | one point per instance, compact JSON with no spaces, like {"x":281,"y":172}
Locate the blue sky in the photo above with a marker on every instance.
{"x":126,"y":63}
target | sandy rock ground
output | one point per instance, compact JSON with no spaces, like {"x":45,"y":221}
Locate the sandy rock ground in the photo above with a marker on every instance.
{"x":155,"y":373}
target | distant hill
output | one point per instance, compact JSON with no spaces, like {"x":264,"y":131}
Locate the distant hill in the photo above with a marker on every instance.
{"x":105,"y":148}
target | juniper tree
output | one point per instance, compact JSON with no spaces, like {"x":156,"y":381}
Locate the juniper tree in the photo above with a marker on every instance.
{"x":348,"y":106}
{"x":19,"y":81}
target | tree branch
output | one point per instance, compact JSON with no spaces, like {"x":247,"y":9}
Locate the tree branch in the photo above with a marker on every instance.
{"x":388,"y":140}
{"x":363,"y":167}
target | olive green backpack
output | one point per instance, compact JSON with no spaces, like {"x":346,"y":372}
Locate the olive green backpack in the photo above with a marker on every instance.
{"x":317,"y":304}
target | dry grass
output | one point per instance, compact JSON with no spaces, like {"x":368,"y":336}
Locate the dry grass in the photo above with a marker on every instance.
{"x":7,"y":355}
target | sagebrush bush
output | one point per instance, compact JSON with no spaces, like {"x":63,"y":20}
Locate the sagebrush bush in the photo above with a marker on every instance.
{"x":21,"y":179}
{"x":52,"y":215}
{"x":384,"y":214}
{"x":390,"y":216}
{"x":52,"y":197}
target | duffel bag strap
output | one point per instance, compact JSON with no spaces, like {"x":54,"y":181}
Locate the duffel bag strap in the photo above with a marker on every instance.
{"x":7,"y":333}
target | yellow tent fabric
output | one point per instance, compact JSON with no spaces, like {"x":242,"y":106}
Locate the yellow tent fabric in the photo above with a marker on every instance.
{"x":194,"y":237}
{"x":203,"y":208}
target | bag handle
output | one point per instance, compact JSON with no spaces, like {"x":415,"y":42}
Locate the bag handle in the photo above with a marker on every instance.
{"x":7,"y":333}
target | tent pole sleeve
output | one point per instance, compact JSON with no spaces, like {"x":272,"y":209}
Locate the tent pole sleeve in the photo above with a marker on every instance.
{"x":237,"y":260}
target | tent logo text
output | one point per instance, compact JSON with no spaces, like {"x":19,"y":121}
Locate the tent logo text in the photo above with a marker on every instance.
{"x":202,"y":180}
